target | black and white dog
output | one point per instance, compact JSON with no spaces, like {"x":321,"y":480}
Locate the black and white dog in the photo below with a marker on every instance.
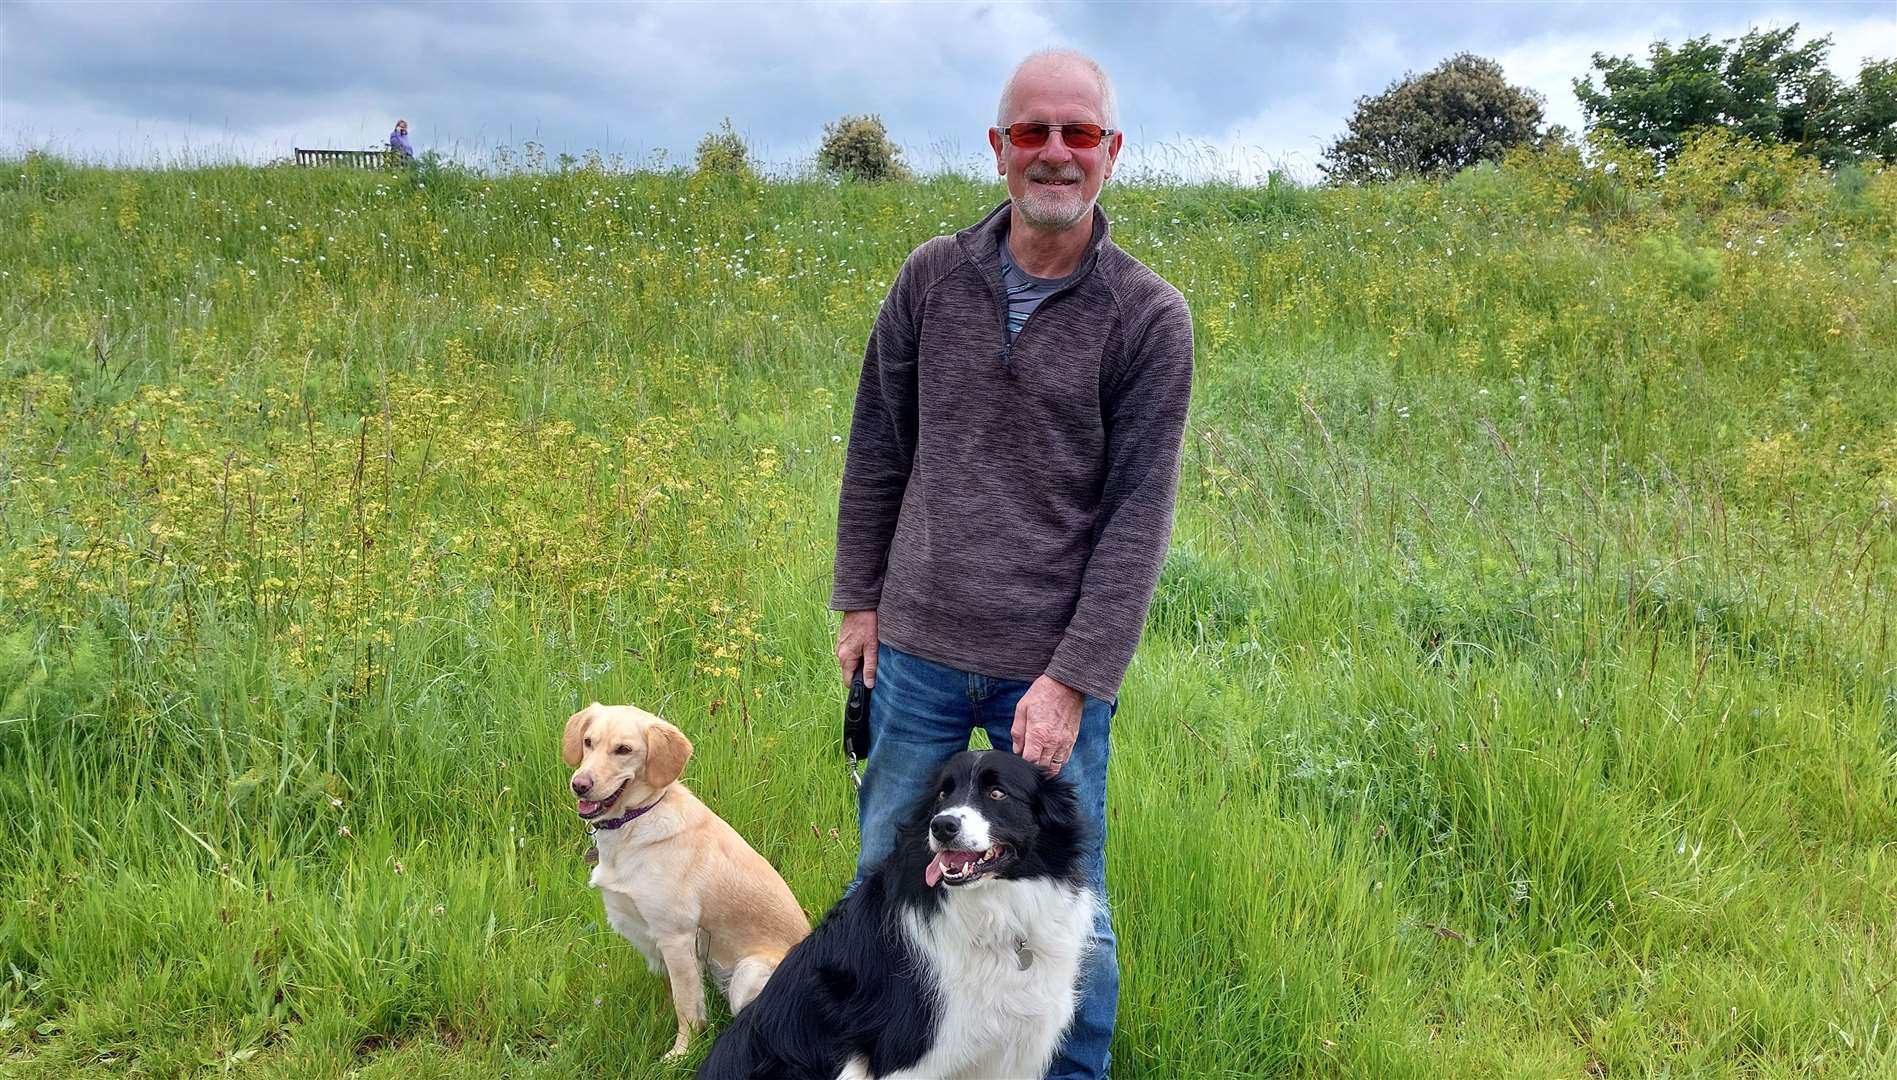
{"x":958,"y":957}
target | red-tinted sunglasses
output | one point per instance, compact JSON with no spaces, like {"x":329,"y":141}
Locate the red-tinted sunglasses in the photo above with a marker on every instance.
{"x":1030,"y":136}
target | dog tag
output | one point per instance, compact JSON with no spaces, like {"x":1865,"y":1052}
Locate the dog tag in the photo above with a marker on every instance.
{"x":1023,"y":955}
{"x":592,"y":855}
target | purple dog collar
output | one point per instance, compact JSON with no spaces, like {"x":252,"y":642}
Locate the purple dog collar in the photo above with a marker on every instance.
{"x":602,"y":826}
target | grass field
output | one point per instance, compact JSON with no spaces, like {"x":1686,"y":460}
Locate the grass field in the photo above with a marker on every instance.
{"x":1518,"y":699}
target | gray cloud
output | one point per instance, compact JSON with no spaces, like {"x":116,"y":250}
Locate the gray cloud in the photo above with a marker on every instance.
{"x":1207,"y":86}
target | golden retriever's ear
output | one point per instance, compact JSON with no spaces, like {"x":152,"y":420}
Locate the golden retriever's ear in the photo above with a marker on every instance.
{"x":571,"y":749}
{"x":667,"y":750}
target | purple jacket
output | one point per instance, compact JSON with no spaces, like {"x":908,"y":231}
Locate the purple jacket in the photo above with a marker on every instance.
{"x":398,"y":141}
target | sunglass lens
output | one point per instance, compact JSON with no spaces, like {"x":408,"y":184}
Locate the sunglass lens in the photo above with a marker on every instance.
{"x":1082,"y":136}
{"x":1027,"y":136}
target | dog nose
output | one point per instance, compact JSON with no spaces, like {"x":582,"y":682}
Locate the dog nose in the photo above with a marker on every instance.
{"x":582,"y":785}
{"x":945,"y":827}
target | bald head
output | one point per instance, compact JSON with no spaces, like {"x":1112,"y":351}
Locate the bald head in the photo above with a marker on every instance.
{"x":1055,"y":63}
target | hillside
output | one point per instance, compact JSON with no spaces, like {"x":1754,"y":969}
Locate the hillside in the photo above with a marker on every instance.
{"x":1519,"y":699}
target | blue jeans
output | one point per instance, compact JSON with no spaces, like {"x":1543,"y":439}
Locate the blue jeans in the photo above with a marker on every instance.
{"x":920,"y":714}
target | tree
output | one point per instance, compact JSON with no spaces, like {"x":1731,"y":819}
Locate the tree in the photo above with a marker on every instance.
{"x":1435,"y":124}
{"x":1871,"y":117}
{"x":858,"y":148}
{"x":1759,"y":85}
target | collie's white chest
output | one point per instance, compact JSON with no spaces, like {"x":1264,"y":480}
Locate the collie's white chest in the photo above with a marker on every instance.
{"x":1005,"y":957}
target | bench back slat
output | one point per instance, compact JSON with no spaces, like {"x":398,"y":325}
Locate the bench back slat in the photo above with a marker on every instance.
{"x":352,"y":159}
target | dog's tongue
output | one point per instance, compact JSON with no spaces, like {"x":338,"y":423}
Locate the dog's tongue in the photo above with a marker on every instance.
{"x":945,"y":859}
{"x":587,"y":807}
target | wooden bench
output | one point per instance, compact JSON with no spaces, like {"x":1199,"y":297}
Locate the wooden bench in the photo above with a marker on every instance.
{"x":349,"y":159}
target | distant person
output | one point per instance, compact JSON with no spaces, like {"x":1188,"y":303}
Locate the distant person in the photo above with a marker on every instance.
{"x":398,"y":141}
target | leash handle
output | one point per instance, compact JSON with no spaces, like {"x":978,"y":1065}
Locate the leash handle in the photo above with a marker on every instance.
{"x":856,"y":728}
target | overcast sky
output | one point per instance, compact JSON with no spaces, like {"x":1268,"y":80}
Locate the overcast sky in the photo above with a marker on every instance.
{"x":1212,"y":87}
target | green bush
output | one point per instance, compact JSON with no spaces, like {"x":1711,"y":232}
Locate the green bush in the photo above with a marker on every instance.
{"x":858,"y":148}
{"x":1880,"y":195}
{"x":49,"y":679}
{"x":1598,"y":180}
{"x":723,"y":153}
{"x":1717,"y":168}
{"x":1689,"y":271}
{"x":1280,"y":202}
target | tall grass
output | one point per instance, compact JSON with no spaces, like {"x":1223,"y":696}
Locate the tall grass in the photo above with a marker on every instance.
{"x":1518,"y":699}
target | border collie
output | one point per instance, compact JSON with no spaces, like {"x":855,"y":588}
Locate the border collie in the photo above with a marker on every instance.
{"x":958,"y":957}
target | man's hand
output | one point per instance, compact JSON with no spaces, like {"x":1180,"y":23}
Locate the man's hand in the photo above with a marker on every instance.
{"x":1046,"y":723}
{"x":856,"y":644}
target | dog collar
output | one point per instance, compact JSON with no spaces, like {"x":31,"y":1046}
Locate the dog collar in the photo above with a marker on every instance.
{"x":603,"y":826}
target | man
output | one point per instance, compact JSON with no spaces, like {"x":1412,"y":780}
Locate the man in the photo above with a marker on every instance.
{"x":398,"y":141}
{"x":1008,"y":495}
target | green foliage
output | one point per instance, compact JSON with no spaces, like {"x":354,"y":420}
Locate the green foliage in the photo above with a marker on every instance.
{"x":1528,"y":614}
{"x":1281,"y":201}
{"x":1880,"y":200}
{"x":1498,"y":619}
{"x":1689,"y":271}
{"x":56,"y":677}
{"x":858,"y":148}
{"x":1760,"y":86}
{"x":1716,"y":168}
{"x":41,"y":173}
{"x":723,"y":153}
{"x":450,"y":179}
{"x":1200,"y":600}
{"x":1461,"y":112}
{"x":1851,"y":182}
{"x":1870,"y":117}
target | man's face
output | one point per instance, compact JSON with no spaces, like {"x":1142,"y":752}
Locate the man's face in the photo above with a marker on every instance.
{"x":1054,"y":185}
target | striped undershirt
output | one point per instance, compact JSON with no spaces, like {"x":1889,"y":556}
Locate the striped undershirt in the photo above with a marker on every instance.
{"x":1025,"y":291}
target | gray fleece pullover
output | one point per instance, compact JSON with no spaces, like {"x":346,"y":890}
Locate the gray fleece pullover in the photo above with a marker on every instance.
{"x":1006,"y":506}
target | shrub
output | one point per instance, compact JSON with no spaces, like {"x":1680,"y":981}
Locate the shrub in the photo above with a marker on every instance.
{"x":51,"y":680}
{"x":723,"y":153}
{"x":1281,"y":201}
{"x":1849,"y":183}
{"x":1717,"y":168}
{"x":447,"y":178}
{"x":1880,"y":195}
{"x":1600,"y":180}
{"x":1688,"y":270}
{"x":858,"y":148}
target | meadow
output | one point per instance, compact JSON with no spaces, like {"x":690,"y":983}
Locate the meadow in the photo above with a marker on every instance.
{"x":1518,"y":699}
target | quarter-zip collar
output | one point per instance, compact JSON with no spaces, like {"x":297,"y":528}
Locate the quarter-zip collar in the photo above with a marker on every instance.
{"x":981,"y":244}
